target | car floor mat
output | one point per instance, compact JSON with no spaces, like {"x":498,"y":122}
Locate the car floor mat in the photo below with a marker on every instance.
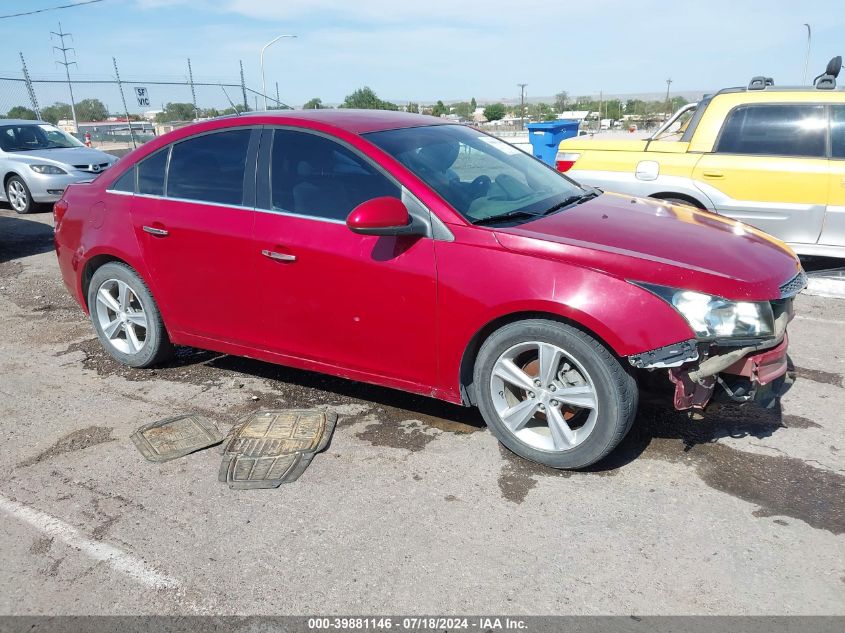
{"x":176,"y":437}
{"x":269,"y":448}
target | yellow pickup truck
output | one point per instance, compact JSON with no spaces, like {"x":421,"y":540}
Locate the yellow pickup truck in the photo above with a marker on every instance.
{"x":773,"y":157}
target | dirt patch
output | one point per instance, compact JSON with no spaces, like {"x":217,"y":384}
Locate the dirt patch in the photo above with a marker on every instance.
{"x":781,"y":486}
{"x":519,"y":476}
{"x":75,"y":441}
{"x":817,"y":375}
{"x":41,"y":545}
{"x":798,"y":422}
{"x":410,"y":435}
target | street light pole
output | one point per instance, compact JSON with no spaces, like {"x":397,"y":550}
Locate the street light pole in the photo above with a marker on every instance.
{"x":263,"y":82}
{"x":807,"y":57}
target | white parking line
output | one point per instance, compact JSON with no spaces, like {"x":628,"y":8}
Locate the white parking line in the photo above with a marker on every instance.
{"x":117,"y":559}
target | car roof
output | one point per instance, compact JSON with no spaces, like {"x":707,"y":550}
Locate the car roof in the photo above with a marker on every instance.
{"x":22,"y":122}
{"x":354,"y":121}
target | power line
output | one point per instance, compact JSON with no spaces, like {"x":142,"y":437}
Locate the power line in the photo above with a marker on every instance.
{"x":64,"y":6}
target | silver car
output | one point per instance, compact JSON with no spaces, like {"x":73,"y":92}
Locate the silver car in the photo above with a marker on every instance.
{"x":38,"y":160}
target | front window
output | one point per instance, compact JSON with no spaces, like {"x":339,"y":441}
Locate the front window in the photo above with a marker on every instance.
{"x":22,"y":138}
{"x":775,"y":130}
{"x":483,"y":178}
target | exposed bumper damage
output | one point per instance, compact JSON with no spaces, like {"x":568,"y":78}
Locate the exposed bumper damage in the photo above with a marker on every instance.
{"x":745,"y":372}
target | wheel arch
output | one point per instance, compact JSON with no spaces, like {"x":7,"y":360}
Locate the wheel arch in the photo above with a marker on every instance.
{"x":470,"y":354}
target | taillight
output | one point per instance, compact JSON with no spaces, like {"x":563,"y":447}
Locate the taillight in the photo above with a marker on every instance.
{"x":565,"y":160}
{"x":59,"y":211}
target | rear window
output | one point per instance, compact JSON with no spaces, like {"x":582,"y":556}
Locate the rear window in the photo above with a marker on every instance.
{"x":837,"y":131}
{"x":775,"y":130}
{"x":210,"y":168}
{"x":151,"y":174}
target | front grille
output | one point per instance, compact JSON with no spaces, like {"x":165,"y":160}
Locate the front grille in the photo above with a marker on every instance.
{"x":92,"y":169}
{"x":794,"y":285}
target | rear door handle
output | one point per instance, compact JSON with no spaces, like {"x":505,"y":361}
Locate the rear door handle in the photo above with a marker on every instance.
{"x":154,"y":231}
{"x":713,"y":174}
{"x":281,"y":257}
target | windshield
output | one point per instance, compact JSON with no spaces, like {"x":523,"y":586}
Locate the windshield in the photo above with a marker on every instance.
{"x":20,"y":138}
{"x":480,"y":176}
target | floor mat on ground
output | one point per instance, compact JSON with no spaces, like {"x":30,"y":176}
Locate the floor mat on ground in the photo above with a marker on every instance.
{"x":175,"y":437}
{"x":269,"y":448}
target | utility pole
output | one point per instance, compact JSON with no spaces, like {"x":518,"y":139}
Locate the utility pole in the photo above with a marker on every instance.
{"x":601,"y":104}
{"x":64,"y":49}
{"x":668,"y":107}
{"x":521,"y":106}
{"x":30,"y":88}
{"x":278,"y":102}
{"x":243,"y":86}
{"x":193,"y":91}
{"x":123,"y":98}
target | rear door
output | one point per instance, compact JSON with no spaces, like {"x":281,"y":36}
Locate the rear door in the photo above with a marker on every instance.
{"x":193,"y":217}
{"x":833,"y":233}
{"x":769,"y":168}
{"x":329,"y":295}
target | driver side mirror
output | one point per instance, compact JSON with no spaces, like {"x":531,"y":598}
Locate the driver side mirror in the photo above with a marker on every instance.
{"x":383,"y":216}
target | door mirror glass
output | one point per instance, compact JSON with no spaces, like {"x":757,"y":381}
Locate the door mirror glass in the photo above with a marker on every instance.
{"x":382,"y":216}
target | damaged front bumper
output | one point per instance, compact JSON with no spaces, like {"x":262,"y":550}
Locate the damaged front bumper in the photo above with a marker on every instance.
{"x":745,"y":372}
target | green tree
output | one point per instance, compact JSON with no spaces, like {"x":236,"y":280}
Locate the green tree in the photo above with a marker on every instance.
{"x":464,"y":109}
{"x":57,"y":112}
{"x":473,"y":105}
{"x":177,"y":112}
{"x":91,"y":110}
{"x":313,"y":104}
{"x":439,"y":109}
{"x":494,"y":111}
{"x":365,"y":98}
{"x":561,"y":99}
{"x":413,"y":107}
{"x":20,"y":112}
{"x":237,"y":109}
{"x":541,"y":112}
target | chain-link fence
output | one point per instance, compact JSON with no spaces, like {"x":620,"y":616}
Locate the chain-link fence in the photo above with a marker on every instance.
{"x":143,"y":101}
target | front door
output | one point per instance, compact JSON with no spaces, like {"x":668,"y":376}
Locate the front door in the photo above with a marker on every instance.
{"x":195,"y":231}
{"x":329,"y":295}
{"x":769,"y":169}
{"x":833,"y":233}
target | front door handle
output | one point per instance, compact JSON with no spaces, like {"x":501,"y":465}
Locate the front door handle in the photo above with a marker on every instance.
{"x":281,"y":257}
{"x":713,"y":174}
{"x":155,"y":231}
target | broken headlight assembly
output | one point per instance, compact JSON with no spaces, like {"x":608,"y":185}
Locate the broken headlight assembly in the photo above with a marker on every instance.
{"x":714,"y":318}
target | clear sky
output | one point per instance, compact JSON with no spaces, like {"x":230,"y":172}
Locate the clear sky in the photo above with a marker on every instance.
{"x":423,"y":50}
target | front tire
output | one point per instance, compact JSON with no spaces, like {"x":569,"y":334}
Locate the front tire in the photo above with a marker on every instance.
{"x":126,"y":317}
{"x":553,"y":394}
{"x":19,"y":196}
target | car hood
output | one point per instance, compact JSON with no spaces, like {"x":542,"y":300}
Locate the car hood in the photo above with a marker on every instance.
{"x":67,"y":155}
{"x":673,"y":245}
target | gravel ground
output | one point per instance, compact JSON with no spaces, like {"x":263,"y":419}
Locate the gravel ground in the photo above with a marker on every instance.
{"x":414,"y":507}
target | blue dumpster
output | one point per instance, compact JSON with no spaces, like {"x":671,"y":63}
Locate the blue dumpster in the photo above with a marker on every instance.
{"x":546,"y":136}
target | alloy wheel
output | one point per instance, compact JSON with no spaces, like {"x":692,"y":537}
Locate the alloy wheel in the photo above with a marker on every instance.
{"x":544,"y":396}
{"x":16,"y":193}
{"x":121,"y":316}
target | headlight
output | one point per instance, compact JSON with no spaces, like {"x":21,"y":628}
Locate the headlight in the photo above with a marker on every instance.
{"x":47,"y":169}
{"x":714,"y":317}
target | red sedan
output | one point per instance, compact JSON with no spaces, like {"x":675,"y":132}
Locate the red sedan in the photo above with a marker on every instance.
{"x":405,"y":251}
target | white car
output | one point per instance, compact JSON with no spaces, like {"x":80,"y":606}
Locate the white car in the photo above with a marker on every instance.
{"x":38,"y":160}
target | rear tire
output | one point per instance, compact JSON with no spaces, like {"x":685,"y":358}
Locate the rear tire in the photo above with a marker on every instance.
{"x":577,"y":404}
{"x":126,"y":317}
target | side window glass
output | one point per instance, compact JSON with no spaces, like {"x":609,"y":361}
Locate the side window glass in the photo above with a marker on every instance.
{"x":125,"y":183}
{"x":210,"y":168}
{"x":775,"y":130}
{"x":151,"y":174}
{"x":315,"y":176}
{"x":837,"y":131}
